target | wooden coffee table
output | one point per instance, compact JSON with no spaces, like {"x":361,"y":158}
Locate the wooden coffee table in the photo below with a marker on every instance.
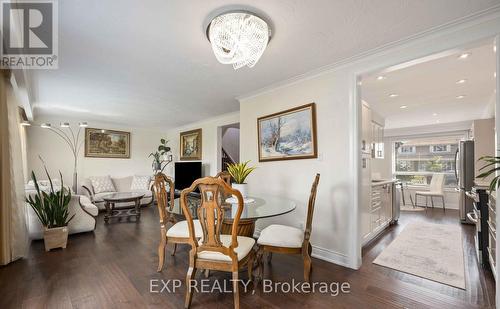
{"x":122,"y":197}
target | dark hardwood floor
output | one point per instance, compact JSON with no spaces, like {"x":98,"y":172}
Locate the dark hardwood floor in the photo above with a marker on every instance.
{"x":112,"y":268}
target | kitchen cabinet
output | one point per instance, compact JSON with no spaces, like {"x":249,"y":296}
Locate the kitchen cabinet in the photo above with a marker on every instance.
{"x":377,"y":141}
{"x":378,"y":213}
{"x":366,"y":128}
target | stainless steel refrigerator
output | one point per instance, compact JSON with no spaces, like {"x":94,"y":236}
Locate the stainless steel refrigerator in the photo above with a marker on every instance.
{"x":464,"y":171}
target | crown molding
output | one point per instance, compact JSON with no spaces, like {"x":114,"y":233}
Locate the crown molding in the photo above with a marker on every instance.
{"x":476,"y":18}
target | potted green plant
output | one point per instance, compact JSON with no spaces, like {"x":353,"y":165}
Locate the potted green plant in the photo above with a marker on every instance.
{"x":239,"y":172}
{"x":51,"y":209}
{"x":159,"y":163}
{"x":491,"y":167}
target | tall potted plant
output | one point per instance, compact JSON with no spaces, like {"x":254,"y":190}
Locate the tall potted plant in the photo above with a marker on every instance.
{"x":491,"y":167}
{"x":159,"y":163}
{"x":239,"y":172}
{"x":51,"y":209}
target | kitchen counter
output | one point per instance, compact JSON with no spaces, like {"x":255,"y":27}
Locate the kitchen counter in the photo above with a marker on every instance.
{"x":382,"y":182}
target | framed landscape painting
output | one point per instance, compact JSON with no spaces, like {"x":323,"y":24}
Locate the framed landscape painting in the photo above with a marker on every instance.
{"x":288,"y":135}
{"x":100,"y":143}
{"x":191,"y":145}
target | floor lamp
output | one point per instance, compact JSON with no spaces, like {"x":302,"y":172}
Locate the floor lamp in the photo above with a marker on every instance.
{"x":72,"y":138}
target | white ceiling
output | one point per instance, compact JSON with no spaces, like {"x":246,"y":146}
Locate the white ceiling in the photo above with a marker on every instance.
{"x":429,"y":89}
{"x":148,"y":63}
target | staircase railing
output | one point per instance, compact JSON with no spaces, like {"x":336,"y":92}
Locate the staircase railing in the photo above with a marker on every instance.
{"x":226,"y":159}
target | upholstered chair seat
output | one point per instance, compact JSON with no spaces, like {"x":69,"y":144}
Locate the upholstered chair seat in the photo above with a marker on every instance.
{"x":281,"y":236}
{"x":245,"y":245}
{"x":180,"y":229}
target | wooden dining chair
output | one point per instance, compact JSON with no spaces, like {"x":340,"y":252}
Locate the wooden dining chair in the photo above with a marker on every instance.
{"x":289,"y":240}
{"x":224,"y":175}
{"x":178,"y":233}
{"x":216,"y":251}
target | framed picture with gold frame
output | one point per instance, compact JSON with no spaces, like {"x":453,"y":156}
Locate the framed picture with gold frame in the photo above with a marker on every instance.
{"x":190,"y":145}
{"x":288,"y":135}
{"x":101,"y":143}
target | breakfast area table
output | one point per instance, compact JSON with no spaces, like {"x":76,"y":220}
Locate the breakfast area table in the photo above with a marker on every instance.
{"x":254,"y":208}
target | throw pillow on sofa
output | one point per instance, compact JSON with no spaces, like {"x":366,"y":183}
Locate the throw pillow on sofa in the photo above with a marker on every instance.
{"x":102,"y":184}
{"x":140,"y":183}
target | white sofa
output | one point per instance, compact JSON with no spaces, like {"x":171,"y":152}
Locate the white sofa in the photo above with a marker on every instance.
{"x":84,"y":221}
{"x":121,"y":185}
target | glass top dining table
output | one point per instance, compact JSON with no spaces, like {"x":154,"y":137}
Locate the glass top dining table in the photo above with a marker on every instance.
{"x":261,"y":207}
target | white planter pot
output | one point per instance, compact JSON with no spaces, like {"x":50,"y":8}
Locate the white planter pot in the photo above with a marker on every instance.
{"x":242,"y":187}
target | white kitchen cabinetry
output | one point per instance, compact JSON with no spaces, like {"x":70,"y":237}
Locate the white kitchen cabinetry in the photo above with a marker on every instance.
{"x":366,"y":129}
{"x":379,"y":210}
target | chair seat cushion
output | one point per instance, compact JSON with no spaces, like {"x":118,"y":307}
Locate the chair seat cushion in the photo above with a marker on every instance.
{"x":430,"y":193}
{"x":245,"y":245}
{"x":281,"y":236}
{"x":180,"y":229}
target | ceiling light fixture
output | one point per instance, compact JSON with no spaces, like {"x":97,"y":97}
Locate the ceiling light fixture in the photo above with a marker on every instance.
{"x":393,"y":95}
{"x":64,"y":124}
{"x":83,"y":124}
{"x":403,"y":106}
{"x":238,"y":38}
{"x":461,"y":81}
{"x":435,"y":114}
{"x":460,"y":96}
{"x":464,"y":56}
{"x":381,"y":77}
{"x":46,"y":125}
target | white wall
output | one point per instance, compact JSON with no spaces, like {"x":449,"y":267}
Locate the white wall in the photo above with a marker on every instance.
{"x":292,"y":179}
{"x":211,"y":141}
{"x":231,"y":142}
{"x":58,"y":156}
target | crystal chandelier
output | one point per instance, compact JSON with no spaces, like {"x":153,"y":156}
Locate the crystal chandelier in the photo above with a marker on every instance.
{"x":238,"y":38}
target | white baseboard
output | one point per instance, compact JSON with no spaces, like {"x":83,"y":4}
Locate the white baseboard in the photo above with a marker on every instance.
{"x":323,"y":254}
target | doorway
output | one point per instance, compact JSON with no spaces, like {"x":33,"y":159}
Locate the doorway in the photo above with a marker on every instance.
{"x":229,"y":149}
{"x":414,"y":117}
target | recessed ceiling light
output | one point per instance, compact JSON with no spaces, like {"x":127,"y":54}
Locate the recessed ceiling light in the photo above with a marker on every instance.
{"x":464,"y":56}
{"x":393,"y":95}
{"x":461,"y":81}
{"x":83,"y":124}
{"x":435,"y":114}
{"x":460,"y":96}
{"x":494,"y":48}
{"x":403,"y":106}
{"x":64,"y":124}
{"x":381,"y":77}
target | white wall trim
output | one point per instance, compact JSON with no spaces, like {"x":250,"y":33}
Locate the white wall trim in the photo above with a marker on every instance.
{"x":331,"y":256}
{"x":465,"y":22}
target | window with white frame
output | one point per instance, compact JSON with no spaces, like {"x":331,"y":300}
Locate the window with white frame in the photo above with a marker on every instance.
{"x":416,"y":160}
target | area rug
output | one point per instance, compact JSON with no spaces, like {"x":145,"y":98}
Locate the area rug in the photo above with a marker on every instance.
{"x":411,"y":208}
{"x":430,"y":251}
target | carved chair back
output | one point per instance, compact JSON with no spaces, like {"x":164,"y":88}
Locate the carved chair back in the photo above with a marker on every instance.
{"x":224,"y":175}
{"x":211,"y":214}
{"x":310,"y":208}
{"x":159,"y":187}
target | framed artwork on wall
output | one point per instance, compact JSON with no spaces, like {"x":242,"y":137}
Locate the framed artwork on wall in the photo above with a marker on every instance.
{"x":101,"y":143}
{"x":190,"y":145}
{"x":288,"y":135}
